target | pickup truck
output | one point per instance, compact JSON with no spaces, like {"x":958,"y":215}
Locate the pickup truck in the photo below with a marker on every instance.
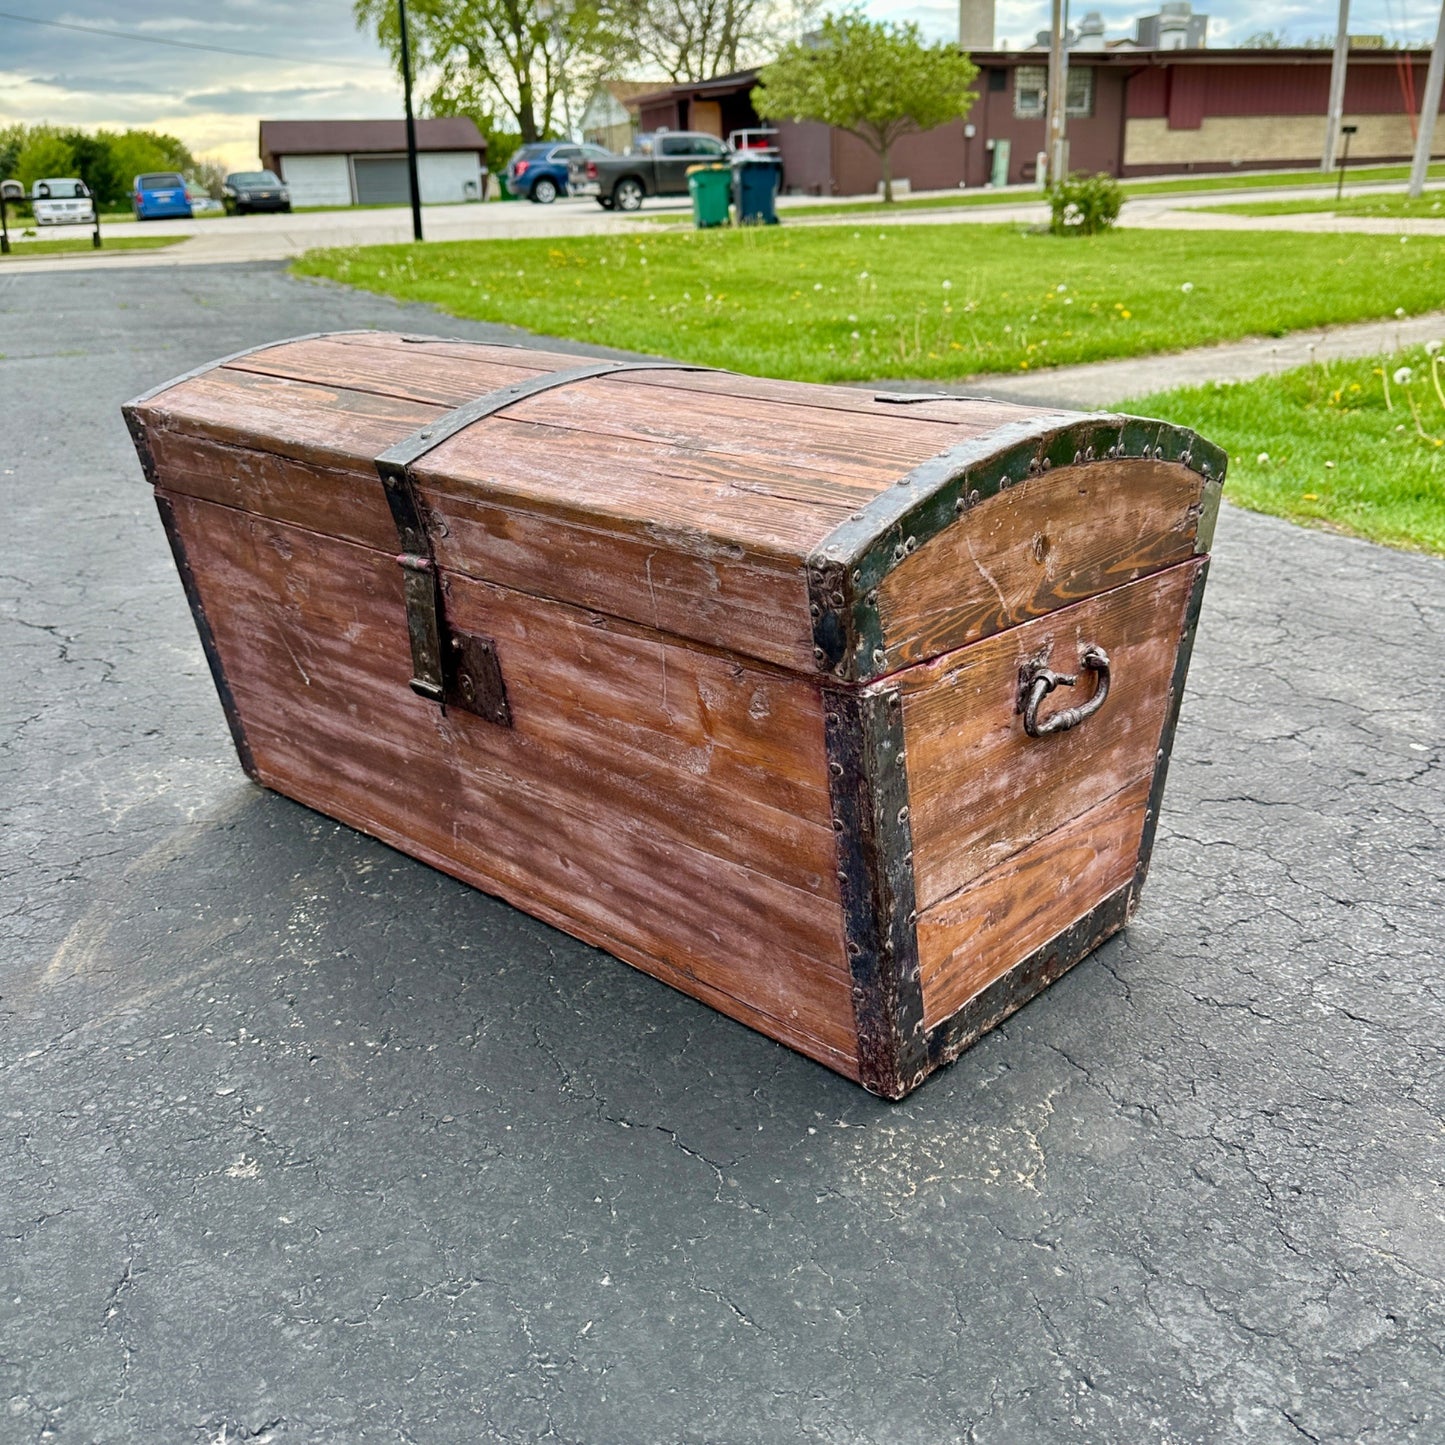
{"x":657,"y":165}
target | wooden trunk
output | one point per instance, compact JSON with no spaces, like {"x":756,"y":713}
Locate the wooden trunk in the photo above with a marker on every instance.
{"x":732,"y":678}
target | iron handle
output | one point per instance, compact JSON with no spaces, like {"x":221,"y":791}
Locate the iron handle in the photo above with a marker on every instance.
{"x":1040,"y":682}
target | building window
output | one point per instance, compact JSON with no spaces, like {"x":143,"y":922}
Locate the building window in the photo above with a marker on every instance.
{"x":1031,"y":88}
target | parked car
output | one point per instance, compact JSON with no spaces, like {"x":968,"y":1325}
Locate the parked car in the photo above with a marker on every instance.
{"x":539,"y":171}
{"x":657,"y":165}
{"x":202,"y":203}
{"x":158,"y":195}
{"x":254,"y":191}
{"x":62,"y":201}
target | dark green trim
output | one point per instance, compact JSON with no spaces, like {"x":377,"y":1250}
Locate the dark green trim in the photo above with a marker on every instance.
{"x":868,"y":778}
{"x":845,"y":569}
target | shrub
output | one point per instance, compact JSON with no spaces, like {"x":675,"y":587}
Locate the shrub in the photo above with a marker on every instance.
{"x":1084,"y":205}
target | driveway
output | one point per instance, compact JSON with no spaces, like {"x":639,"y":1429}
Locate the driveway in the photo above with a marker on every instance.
{"x":310,"y":1143}
{"x":220,"y":240}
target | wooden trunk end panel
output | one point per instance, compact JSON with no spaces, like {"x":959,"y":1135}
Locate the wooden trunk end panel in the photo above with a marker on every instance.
{"x":975,"y":937}
{"x":661,"y":802}
{"x":1041,"y":545}
{"x":1016,"y":837}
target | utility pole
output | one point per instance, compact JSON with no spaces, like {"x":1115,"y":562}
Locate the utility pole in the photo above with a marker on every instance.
{"x":410,"y":126}
{"x":1057,"y":146}
{"x":1429,"y":111}
{"x":1336,"y":113}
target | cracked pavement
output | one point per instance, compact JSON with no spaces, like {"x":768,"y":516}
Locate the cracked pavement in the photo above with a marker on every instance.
{"x":306,"y":1142}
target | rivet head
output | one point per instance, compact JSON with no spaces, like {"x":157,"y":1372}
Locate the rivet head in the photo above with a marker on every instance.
{"x":903,"y":813}
{"x":879,"y":656}
{"x":819,"y":655}
{"x":836,"y":769}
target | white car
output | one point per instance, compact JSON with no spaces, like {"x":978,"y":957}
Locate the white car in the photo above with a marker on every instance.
{"x":62,"y":201}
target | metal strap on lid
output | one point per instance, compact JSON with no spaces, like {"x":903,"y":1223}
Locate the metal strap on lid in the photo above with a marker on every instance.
{"x":418,"y":559}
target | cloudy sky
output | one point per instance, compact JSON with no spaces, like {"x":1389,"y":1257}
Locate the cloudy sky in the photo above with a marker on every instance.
{"x":309,"y":60}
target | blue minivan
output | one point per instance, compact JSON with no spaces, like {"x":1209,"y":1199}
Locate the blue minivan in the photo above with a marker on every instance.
{"x":158,"y":195}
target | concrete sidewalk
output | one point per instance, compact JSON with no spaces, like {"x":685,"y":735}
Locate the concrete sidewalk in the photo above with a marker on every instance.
{"x":1100,"y":385}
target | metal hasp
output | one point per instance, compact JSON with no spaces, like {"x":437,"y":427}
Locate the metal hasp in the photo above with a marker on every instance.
{"x":460,"y":669}
{"x":1036,"y":683}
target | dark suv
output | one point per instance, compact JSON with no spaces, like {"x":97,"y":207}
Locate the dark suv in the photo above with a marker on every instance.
{"x":539,"y":171}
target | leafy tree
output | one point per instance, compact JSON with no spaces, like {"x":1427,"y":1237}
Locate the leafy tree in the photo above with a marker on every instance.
{"x":523,"y":54}
{"x":1263,"y":40}
{"x":45,"y":153}
{"x":699,"y":39}
{"x":12,"y":142}
{"x":875,"y":80}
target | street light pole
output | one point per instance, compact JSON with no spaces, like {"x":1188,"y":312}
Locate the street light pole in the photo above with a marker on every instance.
{"x":1429,"y":111}
{"x":410,"y":126}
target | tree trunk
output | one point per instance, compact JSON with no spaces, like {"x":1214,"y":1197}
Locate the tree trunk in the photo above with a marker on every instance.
{"x":886,"y":157}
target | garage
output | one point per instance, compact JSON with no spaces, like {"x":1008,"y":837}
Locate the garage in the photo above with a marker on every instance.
{"x":363,"y":162}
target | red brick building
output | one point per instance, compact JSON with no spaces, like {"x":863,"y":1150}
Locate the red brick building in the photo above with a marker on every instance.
{"x":1131,"y":113}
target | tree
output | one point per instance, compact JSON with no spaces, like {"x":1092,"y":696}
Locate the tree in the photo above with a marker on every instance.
{"x":699,"y":39}
{"x":524,"y":54}
{"x":45,"y":153}
{"x":875,"y":80}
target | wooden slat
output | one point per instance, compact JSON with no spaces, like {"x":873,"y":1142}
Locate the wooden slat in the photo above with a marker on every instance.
{"x":981,"y":789}
{"x":1041,"y":545}
{"x":661,"y":801}
{"x":967,"y":941}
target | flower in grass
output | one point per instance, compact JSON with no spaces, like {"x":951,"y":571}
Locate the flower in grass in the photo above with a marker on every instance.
{"x":1061,"y":288}
{"x":1404,"y":375}
{"x":1330,"y":465}
{"x":1309,"y":496}
{"x":1263,"y":459}
{"x":856,"y":338}
{"x":1399,"y":311}
{"x":948,"y":285}
{"x":1432,"y":347}
{"x":1187,"y":287}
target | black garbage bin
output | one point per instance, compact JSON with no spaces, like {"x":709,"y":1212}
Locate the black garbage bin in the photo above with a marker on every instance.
{"x":756,"y":180}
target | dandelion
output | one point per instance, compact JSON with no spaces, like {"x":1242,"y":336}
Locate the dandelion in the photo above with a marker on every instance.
{"x":862,"y":275}
{"x":1187,"y":287}
{"x":1263,"y":459}
{"x":1125,"y":315}
{"x":1403,"y":376}
{"x":817,"y":285}
{"x":1399,"y":312}
{"x":1309,"y":496}
{"x":852,"y":318}
{"x":1061,"y":288}
{"x":1330,"y":465}
{"x":948,"y":285}
{"x":855,"y":336}
{"x":1433,"y":347}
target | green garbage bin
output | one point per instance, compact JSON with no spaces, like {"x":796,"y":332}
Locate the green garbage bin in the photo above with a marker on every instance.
{"x":711,"y":190}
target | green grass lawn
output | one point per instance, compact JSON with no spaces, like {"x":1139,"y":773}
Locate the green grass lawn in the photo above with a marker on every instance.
{"x":1343,"y":445}
{"x":836,"y":304}
{"x":20,"y":249}
{"x":1392,"y":204}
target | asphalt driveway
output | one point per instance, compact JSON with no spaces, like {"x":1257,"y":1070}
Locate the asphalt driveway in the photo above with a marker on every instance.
{"x":305,"y":1142}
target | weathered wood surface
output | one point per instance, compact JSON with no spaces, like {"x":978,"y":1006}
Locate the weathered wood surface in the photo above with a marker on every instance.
{"x":662,"y":802}
{"x":980,"y":788}
{"x":686,"y":501}
{"x":1036,"y":547}
{"x":967,"y":941}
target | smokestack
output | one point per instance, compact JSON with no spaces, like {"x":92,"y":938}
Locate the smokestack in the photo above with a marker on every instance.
{"x":975,"y":24}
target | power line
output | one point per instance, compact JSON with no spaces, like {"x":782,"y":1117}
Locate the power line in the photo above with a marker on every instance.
{"x":175,"y":44}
